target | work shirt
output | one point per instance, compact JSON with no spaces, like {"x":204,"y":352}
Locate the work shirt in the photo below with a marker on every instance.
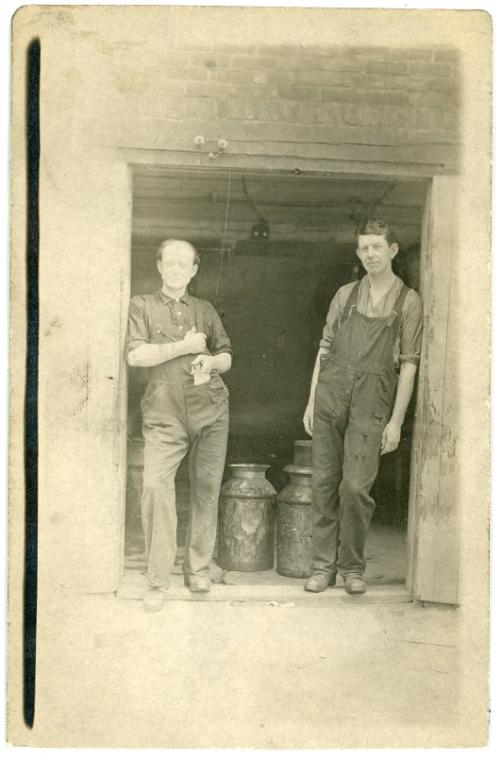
{"x":409,"y":340}
{"x":170,"y":391}
{"x":157,"y":318}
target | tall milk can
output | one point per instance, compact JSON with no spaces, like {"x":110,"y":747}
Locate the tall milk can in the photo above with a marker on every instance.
{"x":294,"y":516}
{"x":246,"y":520}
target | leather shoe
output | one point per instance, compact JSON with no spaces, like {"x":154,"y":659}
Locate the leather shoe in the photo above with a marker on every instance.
{"x":354,"y":584}
{"x":154,"y":599}
{"x":198,"y":583}
{"x":318,"y":582}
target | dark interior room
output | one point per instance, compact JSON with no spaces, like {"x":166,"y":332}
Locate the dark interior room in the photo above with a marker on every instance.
{"x":274,"y":249}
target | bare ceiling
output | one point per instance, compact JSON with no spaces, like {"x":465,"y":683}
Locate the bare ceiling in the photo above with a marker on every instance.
{"x":224,"y":204}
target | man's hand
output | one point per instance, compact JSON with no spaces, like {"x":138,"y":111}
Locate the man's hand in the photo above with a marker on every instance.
{"x":194,"y":342}
{"x":203,"y":363}
{"x":390,"y":438}
{"x":308,"y":418}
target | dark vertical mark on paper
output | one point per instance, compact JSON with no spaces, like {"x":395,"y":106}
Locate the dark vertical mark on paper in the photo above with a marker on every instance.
{"x":31,"y":393}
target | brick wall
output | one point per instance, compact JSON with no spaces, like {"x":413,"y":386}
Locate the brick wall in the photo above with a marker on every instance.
{"x":349,"y":103}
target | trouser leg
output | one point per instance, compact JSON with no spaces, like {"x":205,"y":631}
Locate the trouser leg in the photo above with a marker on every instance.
{"x":165,"y":447}
{"x":327,"y":450}
{"x":206,"y":468}
{"x":361,"y":461}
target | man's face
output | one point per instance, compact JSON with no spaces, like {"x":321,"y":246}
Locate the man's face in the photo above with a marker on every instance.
{"x":375,"y":253}
{"x":176,"y":266}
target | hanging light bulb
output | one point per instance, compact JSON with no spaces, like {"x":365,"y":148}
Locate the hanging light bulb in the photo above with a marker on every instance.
{"x":260,"y":231}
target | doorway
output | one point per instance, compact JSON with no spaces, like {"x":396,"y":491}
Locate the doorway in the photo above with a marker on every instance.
{"x":275,"y":247}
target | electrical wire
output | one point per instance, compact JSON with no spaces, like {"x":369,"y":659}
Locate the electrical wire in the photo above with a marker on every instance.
{"x":228,"y":201}
{"x":250,"y":200}
{"x":379,"y":201}
{"x":223,"y":247}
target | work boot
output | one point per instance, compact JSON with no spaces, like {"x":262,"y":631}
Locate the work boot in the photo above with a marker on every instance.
{"x":198,"y":583}
{"x":154,"y":598}
{"x":319,"y":581}
{"x":354,"y":584}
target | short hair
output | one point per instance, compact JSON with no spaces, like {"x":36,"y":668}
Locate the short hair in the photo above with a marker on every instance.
{"x":369,"y":226}
{"x":171,"y":241}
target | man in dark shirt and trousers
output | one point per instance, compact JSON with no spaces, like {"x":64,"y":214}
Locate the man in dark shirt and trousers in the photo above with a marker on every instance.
{"x":184,"y":408}
{"x":357,"y":404}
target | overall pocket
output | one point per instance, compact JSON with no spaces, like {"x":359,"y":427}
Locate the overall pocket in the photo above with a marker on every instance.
{"x":217,"y":390}
{"x":386,"y":395}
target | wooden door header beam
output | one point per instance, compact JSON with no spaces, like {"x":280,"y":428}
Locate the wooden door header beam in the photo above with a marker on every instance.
{"x":174,"y":160}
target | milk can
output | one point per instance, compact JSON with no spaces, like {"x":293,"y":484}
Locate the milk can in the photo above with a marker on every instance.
{"x":246,"y":520}
{"x":294,"y":516}
{"x":303,"y":453}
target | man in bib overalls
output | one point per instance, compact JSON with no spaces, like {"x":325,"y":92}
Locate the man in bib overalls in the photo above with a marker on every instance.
{"x":185,"y":408}
{"x":357,"y":404}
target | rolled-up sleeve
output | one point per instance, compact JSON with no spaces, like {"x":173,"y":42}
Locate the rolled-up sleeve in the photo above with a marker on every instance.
{"x":137,"y":332}
{"x":217,"y":338}
{"x":411,"y":329}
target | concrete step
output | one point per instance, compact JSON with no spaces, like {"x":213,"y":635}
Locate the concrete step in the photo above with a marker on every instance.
{"x":287,"y":593}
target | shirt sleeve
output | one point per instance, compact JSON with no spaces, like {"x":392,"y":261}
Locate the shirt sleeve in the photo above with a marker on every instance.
{"x":217,"y":338}
{"x":137,"y":333}
{"x":411,"y":328}
{"x":335,"y":311}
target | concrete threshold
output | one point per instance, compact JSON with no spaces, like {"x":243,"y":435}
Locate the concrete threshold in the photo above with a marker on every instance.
{"x":287,"y":594}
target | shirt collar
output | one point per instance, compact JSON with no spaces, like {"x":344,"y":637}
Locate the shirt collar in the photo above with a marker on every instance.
{"x":396,"y":285}
{"x":167,"y":299}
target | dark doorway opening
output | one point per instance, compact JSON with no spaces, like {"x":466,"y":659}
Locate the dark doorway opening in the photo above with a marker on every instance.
{"x":272,"y":291}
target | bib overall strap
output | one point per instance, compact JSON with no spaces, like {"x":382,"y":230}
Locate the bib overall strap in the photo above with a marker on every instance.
{"x":352,"y":302}
{"x":397,"y":311}
{"x":398,"y":306}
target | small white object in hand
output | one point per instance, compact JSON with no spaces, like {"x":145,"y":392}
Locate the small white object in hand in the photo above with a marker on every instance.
{"x":199,"y":376}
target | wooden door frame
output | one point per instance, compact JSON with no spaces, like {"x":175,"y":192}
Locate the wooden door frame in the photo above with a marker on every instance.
{"x":433,"y":520}
{"x":432,"y":525}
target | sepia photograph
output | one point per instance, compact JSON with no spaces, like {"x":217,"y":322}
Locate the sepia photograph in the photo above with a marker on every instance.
{"x":249,"y":421}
